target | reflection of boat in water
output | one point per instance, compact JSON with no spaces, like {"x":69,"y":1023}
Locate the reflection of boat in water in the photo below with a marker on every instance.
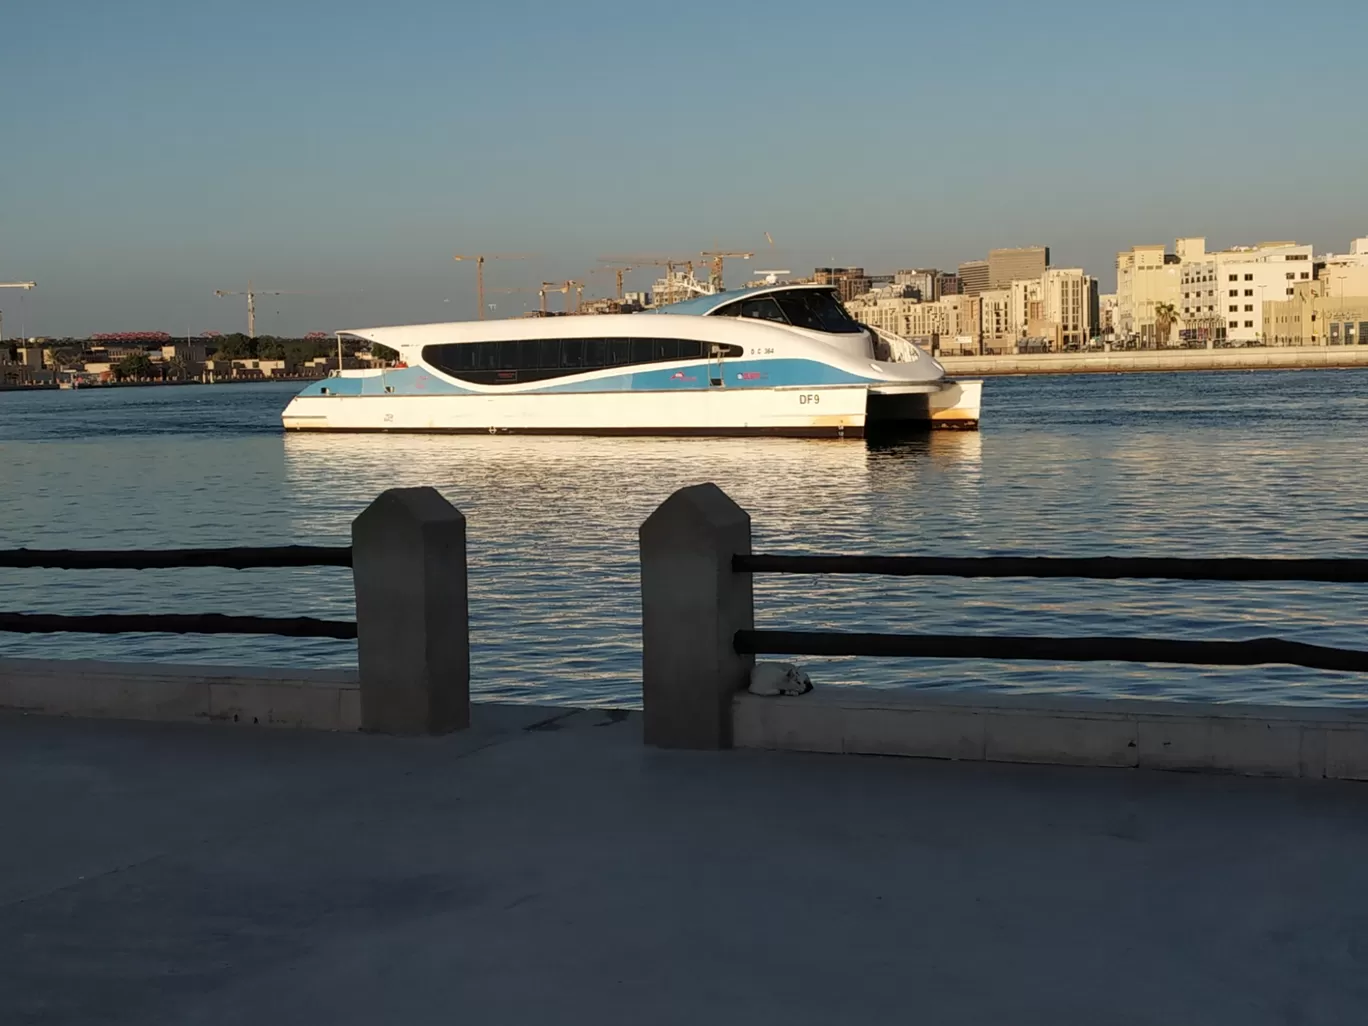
{"x":774,"y":360}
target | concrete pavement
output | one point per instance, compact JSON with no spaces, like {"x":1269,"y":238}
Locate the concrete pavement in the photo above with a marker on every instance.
{"x":546,"y":867}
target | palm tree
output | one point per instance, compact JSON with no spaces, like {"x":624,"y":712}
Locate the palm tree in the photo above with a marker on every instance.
{"x":1164,"y":316}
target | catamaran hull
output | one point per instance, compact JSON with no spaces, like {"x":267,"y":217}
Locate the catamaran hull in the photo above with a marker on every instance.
{"x":840,"y":411}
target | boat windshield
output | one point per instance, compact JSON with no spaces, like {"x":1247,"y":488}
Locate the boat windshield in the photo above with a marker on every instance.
{"x":814,"y":309}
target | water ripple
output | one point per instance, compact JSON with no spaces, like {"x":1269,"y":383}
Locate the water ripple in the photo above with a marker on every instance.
{"x":1153,"y":465}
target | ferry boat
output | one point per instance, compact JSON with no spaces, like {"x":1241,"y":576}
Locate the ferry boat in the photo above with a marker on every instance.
{"x":782,"y":359}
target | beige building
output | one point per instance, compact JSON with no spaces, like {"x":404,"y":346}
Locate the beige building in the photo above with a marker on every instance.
{"x":1008,"y":265}
{"x":923,"y":280}
{"x":973,"y":277}
{"x":995,"y":321}
{"x":1345,"y":279}
{"x":948,"y":318}
{"x":1028,"y":309}
{"x":1147,"y":278}
{"x":1311,"y":316}
{"x":1069,"y":306}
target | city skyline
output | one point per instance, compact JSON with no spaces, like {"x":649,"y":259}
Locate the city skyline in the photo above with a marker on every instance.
{"x":157,"y":153}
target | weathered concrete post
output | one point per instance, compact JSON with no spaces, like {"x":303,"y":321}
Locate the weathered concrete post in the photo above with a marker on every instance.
{"x":413,"y":637}
{"x":692,"y":605}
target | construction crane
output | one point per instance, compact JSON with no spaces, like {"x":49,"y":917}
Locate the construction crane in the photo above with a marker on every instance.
{"x":619,"y":269}
{"x":510,"y":290}
{"x":716,"y":257}
{"x":25,"y":285}
{"x":669,"y":263}
{"x":564,"y":288}
{"x":480,"y":259}
{"x":251,"y":295}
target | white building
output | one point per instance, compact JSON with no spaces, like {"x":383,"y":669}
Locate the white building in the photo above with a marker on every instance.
{"x":1249,"y":276}
{"x":1107,"y":315}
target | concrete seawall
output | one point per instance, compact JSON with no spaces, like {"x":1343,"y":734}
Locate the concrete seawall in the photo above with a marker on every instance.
{"x":1121,"y":361}
{"x":1277,"y":741}
{"x":89,"y":689}
{"x":1281,"y":741}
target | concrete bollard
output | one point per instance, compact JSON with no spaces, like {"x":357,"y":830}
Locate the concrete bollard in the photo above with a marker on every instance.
{"x":692,"y":605}
{"x":413,"y":633}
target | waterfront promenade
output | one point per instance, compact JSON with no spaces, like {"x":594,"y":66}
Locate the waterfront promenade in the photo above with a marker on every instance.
{"x":546,"y":867}
{"x":1119,"y":361}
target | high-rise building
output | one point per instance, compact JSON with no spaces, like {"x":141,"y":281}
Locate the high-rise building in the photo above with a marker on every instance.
{"x":973,"y":277}
{"x":947,"y":284}
{"x":1008,"y":265}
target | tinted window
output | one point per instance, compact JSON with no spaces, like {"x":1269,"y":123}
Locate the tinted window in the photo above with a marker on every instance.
{"x":815,"y":309}
{"x":798,"y":311}
{"x":824,"y":309}
{"x":493,"y":363}
{"x":763,"y":308}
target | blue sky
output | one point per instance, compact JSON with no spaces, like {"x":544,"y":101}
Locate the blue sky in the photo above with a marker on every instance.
{"x":154,"y":150}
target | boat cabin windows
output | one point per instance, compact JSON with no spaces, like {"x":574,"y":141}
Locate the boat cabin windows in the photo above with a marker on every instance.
{"x":505,"y":363}
{"x":814,"y":309}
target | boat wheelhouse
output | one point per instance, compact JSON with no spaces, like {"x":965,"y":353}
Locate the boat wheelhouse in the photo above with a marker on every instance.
{"x":776,"y":360}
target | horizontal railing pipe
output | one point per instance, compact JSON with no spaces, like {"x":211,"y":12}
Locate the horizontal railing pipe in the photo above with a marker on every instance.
{"x":177,"y":623}
{"x":1255,"y":652}
{"x":1328,"y":571}
{"x":240,"y":558}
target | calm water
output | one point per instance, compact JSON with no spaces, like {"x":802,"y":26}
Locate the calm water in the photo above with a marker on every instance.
{"x":1199,"y":464}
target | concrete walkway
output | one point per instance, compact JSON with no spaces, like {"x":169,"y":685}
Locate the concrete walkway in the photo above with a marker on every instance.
{"x":545,"y":867}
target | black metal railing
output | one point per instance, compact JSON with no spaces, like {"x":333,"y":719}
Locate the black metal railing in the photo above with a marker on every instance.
{"x":241,"y":558}
{"x":1077,"y":649}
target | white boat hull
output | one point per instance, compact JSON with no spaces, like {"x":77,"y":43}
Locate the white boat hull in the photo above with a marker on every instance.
{"x":832,"y":411}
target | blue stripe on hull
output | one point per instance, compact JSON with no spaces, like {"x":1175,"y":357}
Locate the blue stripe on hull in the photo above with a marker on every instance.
{"x":781,"y":373}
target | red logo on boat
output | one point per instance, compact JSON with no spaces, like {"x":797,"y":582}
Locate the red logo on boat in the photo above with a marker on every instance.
{"x":749,"y":376}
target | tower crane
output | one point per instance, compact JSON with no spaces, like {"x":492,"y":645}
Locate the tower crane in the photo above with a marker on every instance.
{"x":669,"y":263}
{"x":563,"y":288}
{"x":716,"y":257}
{"x":25,"y":285}
{"x":251,"y":295}
{"x":619,"y":269}
{"x":480,"y":259}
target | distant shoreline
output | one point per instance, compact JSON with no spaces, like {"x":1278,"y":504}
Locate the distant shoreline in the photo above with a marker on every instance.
{"x":1161,"y":360}
{"x":46,"y":387}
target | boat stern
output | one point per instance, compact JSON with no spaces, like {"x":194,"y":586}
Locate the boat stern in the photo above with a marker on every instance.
{"x":954,"y":406}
